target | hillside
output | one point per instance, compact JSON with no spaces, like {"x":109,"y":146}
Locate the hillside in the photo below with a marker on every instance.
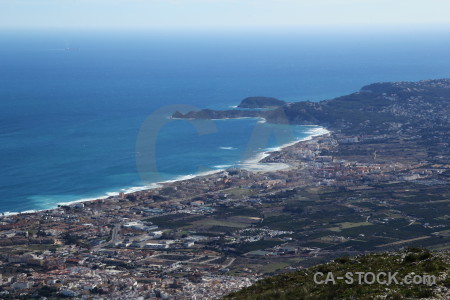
{"x":413,"y":261}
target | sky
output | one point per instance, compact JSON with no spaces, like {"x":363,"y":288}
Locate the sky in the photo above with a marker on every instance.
{"x":185,"y":14}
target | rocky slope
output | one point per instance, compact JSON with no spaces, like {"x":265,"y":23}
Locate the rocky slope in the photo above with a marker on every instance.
{"x":411,"y":262}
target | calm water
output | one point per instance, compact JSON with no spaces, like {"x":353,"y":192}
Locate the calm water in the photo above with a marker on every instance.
{"x":72,"y":104}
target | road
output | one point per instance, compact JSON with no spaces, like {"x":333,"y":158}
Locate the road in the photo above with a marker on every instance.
{"x":114,"y":238}
{"x":115,"y":233}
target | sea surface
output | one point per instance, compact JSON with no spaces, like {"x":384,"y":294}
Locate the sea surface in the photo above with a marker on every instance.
{"x":85,"y":114}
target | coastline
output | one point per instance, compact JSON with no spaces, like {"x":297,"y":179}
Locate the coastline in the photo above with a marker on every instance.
{"x":256,"y":165}
{"x":253,"y":165}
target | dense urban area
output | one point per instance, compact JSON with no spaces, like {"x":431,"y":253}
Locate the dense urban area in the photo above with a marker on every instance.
{"x":378,"y":181}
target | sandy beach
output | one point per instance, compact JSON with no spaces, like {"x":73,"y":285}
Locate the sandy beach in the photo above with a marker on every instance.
{"x":254,"y":164}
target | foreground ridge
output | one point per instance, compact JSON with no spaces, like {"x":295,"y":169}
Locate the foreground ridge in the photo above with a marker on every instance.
{"x":345,"y":282}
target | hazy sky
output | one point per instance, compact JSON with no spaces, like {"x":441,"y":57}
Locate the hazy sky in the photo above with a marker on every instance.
{"x":174,"y":14}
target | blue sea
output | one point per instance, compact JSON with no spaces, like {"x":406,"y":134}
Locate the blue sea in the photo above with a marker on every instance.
{"x":85,"y":114}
